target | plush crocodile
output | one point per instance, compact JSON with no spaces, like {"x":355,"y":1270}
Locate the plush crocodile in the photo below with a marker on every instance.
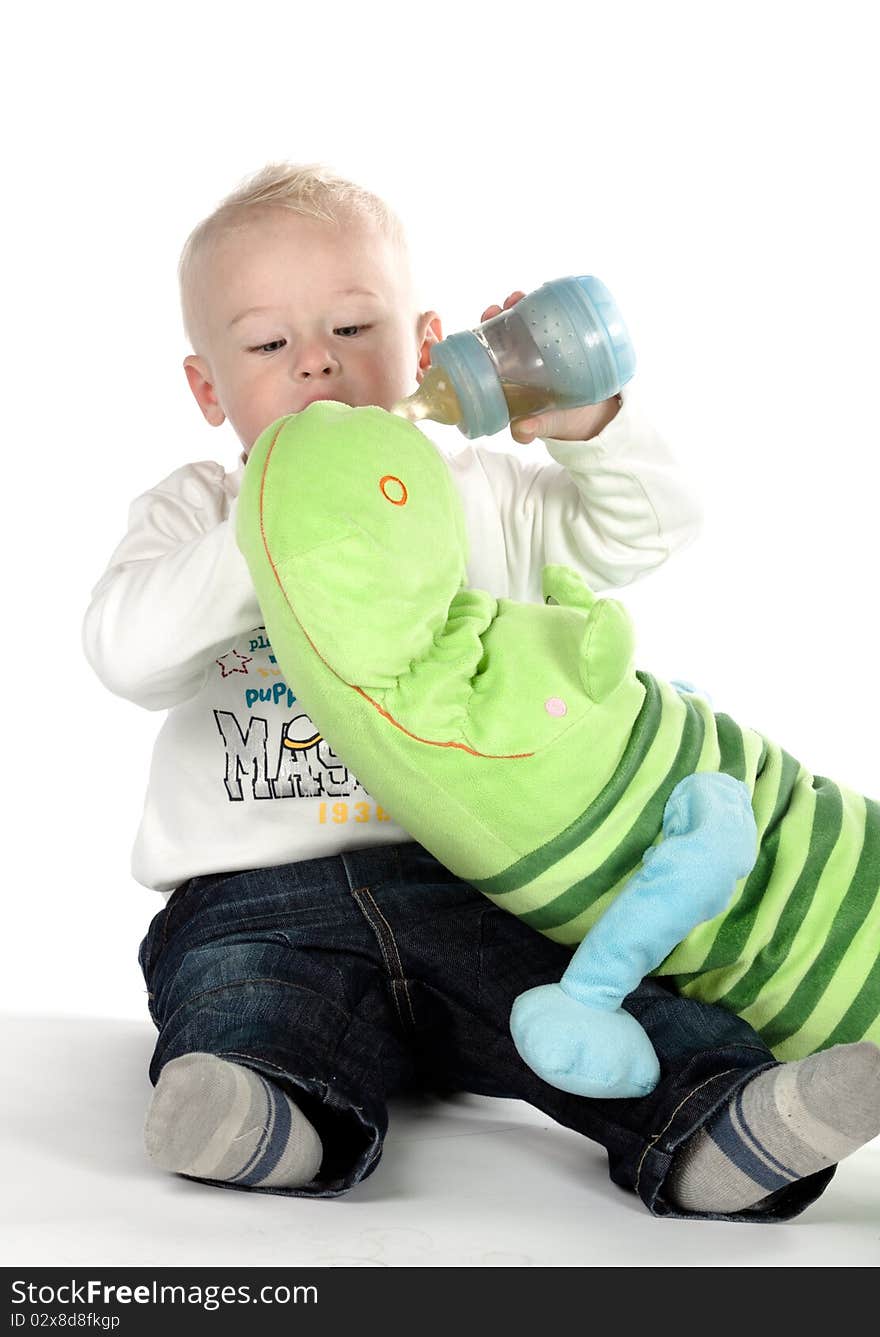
{"x":520,"y":745}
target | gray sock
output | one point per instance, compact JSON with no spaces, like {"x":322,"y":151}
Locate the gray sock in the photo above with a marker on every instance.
{"x":788,"y":1122}
{"x":214,"y":1119}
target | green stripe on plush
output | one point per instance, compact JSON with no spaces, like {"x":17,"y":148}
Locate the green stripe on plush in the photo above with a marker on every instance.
{"x":827,"y":825}
{"x":861,"y":1013}
{"x":733,"y":931}
{"x":731,"y":746}
{"x":860,"y":897}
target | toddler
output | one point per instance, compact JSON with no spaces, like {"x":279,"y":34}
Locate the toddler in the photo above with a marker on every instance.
{"x":312,"y":960}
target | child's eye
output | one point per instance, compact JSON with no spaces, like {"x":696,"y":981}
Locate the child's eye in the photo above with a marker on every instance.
{"x":349,"y":331}
{"x":271,"y":347}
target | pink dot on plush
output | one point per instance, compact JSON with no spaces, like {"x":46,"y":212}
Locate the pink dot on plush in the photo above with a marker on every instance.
{"x":555,"y":706}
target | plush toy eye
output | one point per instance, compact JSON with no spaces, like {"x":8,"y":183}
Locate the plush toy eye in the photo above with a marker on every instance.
{"x":393,"y":490}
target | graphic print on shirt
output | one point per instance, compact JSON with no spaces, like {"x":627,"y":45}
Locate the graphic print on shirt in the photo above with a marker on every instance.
{"x":271,"y":748}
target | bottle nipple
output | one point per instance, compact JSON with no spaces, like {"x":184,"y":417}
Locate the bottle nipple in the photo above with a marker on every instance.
{"x":435,"y":399}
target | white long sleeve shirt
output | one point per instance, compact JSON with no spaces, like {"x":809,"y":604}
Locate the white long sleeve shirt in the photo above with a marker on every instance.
{"x":239,"y":776}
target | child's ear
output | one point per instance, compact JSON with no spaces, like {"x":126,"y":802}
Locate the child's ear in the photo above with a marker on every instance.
{"x":430,"y":334}
{"x":198,"y":374}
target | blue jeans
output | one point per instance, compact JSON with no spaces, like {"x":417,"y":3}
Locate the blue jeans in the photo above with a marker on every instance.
{"x":349,"y":979}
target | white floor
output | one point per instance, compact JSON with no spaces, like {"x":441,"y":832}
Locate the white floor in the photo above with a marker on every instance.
{"x":462,"y":1183}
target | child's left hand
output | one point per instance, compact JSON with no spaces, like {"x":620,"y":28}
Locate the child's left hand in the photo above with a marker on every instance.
{"x":562,"y":424}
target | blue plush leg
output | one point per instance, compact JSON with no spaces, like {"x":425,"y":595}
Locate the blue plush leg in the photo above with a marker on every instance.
{"x":574,"y":1034}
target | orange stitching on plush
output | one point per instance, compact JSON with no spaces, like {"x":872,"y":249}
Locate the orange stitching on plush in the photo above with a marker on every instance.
{"x":390,"y":478}
{"x":487,"y":756}
{"x":262,"y":490}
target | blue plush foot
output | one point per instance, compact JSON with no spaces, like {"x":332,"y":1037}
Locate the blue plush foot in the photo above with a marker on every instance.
{"x":574,"y":1034}
{"x":587,"y":1051}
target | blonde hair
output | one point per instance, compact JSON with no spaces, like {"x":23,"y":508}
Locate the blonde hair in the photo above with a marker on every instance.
{"x":309,"y":189}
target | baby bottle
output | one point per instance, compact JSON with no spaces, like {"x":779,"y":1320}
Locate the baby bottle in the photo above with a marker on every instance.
{"x":562,"y":346}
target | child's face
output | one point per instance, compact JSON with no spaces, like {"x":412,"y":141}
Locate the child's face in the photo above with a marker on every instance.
{"x":279,"y":323}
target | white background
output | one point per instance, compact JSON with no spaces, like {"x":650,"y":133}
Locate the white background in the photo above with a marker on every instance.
{"x":714,"y":164}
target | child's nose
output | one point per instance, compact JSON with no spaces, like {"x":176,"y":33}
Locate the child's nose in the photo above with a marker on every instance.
{"x":314,"y":360}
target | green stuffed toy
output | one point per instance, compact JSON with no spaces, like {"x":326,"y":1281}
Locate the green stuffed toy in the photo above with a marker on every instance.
{"x":519,"y":744}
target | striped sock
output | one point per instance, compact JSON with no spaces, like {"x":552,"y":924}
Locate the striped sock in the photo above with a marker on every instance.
{"x":788,"y":1122}
{"x":214,"y":1119}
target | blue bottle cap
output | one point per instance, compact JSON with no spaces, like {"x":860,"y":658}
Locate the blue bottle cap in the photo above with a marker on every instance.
{"x":582,"y":339}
